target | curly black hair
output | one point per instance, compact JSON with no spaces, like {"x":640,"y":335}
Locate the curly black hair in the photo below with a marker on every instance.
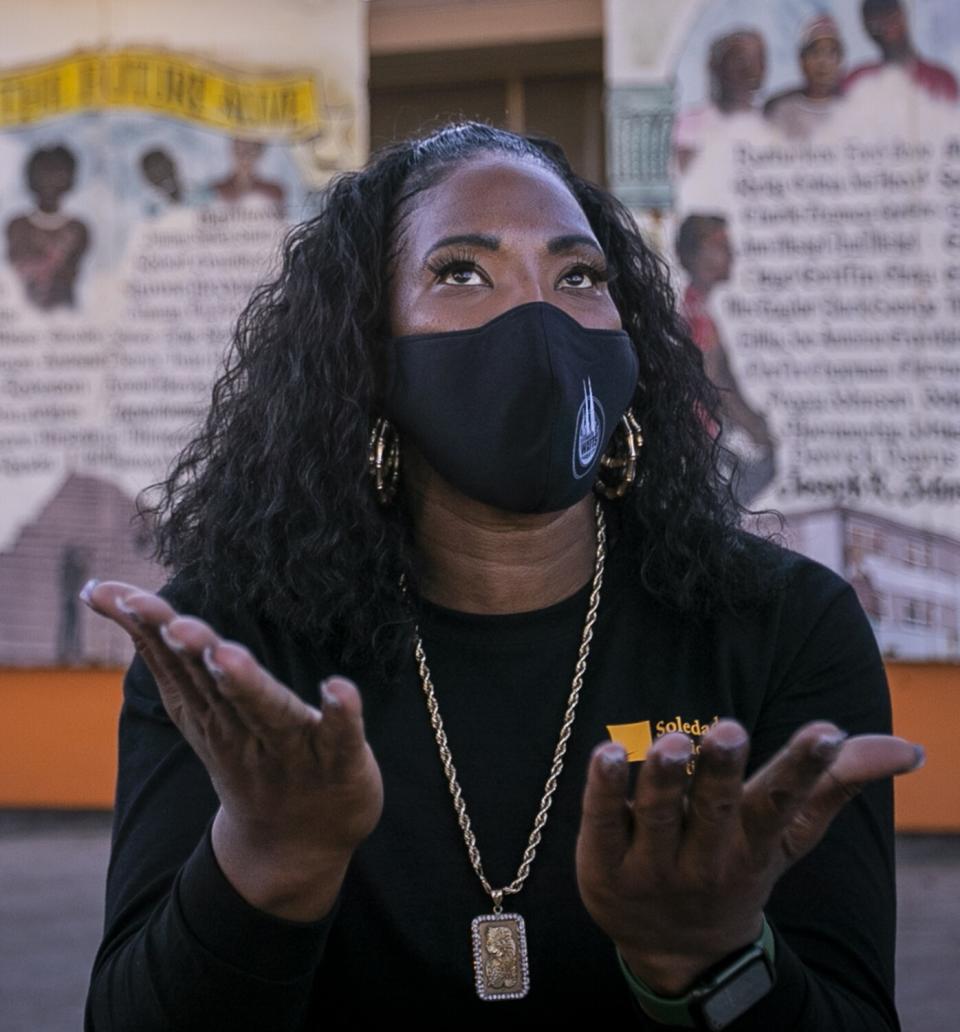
{"x":272,"y":503}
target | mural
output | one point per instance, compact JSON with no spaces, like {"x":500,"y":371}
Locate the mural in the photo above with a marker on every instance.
{"x":816,"y":160}
{"x":145,"y":193}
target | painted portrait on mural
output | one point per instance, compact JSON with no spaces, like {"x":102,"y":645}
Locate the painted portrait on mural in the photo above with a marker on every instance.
{"x":800,"y":111}
{"x":886,"y":22}
{"x":736,"y":65}
{"x":243,"y":183}
{"x":160,"y":171}
{"x":46,"y":245}
{"x":817,"y":167}
{"x":704,"y":252}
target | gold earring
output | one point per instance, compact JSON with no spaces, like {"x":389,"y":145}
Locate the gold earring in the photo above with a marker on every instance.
{"x":383,"y":460}
{"x":620,"y":458}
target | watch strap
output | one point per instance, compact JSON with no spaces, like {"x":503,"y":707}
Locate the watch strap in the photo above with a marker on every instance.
{"x":677,"y":1010}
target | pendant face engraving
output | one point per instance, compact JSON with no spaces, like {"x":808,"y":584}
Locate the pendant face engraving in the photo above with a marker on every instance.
{"x":500,"y":957}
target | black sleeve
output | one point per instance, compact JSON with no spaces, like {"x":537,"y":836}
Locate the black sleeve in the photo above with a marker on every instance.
{"x":182,"y":949}
{"x":834,"y":912}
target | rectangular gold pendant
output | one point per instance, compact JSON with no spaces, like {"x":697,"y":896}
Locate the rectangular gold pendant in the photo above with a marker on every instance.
{"x":500,"y":957}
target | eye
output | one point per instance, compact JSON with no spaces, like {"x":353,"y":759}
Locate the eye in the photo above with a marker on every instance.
{"x":457,"y":269}
{"x":584,"y":276}
{"x":461,"y":274}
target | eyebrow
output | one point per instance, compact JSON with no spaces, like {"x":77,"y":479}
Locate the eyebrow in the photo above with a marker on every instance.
{"x":555,"y":245}
{"x":570,"y":242}
{"x":489,"y":243}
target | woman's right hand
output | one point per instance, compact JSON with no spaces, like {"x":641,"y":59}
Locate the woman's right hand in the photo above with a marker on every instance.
{"x":299,"y":788}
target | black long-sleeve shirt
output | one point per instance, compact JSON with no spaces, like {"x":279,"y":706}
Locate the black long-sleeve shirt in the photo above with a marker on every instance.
{"x":182,"y":950}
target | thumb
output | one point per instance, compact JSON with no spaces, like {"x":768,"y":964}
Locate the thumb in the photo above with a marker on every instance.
{"x":862,"y":759}
{"x":340,"y":731}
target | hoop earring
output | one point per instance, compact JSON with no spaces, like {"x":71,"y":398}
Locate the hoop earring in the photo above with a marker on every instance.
{"x":620,"y":458}
{"x":383,"y":460}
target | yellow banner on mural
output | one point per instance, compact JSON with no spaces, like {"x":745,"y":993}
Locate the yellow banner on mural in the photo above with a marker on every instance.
{"x":162,"y":83}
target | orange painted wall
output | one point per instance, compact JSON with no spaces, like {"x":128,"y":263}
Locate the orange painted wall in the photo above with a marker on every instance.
{"x":926,"y":709}
{"x":58,"y":731}
{"x":58,"y":740}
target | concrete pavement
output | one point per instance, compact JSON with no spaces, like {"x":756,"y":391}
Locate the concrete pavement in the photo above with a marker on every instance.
{"x":52,"y":869}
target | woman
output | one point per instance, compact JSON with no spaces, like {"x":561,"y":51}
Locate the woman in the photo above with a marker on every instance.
{"x":279,"y":862}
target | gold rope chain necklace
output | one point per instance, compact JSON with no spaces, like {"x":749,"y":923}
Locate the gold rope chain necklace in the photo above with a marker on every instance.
{"x":500,"y":940}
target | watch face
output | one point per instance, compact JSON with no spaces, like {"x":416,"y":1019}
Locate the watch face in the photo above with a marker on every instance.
{"x":728,"y":1001}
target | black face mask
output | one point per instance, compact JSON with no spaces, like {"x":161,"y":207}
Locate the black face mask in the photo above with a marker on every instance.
{"x":517,"y":412}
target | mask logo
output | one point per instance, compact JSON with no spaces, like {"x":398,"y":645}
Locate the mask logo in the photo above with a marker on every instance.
{"x":589,"y":432}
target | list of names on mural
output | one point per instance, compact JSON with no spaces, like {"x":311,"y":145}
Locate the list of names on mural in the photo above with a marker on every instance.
{"x":119,"y":395}
{"x":844,"y":310}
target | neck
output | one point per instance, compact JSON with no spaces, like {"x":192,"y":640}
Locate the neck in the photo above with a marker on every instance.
{"x":477,"y":559}
{"x":899,"y":53}
{"x":731,"y":102}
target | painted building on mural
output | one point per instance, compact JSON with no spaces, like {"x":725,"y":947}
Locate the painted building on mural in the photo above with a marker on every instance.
{"x":86,"y":527}
{"x":907,"y":579}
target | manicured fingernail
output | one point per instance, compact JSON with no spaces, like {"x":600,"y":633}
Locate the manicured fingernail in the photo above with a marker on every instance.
{"x":674,"y":755}
{"x":613,"y":758}
{"x":170,"y":641}
{"x":827,"y":746}
{"x":124,"y":607}
{"x":672,"y":759}
{"x":87,"y":590}
{"x":919,"y":758}
{"x":216,"y":672}
{"x":329,"y":699}
{"x":729,"y":748}
{"x":670,"y":762}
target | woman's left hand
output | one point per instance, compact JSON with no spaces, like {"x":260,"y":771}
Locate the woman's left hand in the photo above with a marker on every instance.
{"x":678,"y":875}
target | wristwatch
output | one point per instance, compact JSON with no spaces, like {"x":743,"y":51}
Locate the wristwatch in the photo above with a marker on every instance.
{"x":720,"y":995}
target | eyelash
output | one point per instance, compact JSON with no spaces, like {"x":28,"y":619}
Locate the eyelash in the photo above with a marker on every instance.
{"x":451,"y":261}
{"x":454,"y":261}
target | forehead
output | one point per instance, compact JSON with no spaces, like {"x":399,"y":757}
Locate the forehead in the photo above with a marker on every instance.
{"x":822,"y":44}
{"x":714,"y":235}
{"x":882,"y":13}
{"x":496,"y":195}
{"x":54,"y":166}
{"x":742,"y":47}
